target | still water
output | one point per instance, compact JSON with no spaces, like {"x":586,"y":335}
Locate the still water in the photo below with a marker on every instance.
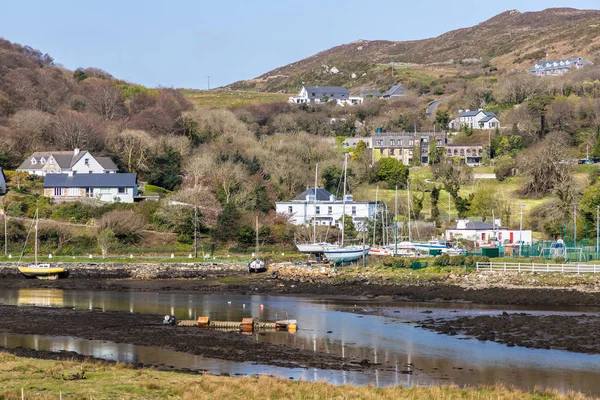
{"x":391,"y":340}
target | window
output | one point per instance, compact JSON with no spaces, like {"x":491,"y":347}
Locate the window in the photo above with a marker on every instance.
{"x":290,"y":210}
{"x":379,"y":142}
{"x":33,"y":161}
{"x":392,"y":142}
{"x":411,"y":142}
{"x":318,"y":210}
{"x":329,"y":210}
{"x":89,"y":192}
{"x":73,"y":192}
{"x":353,"y":210}
{"x":51,"y":161}
{"x":42,"y":160}
{"x":87,"y":161}
{"x":400,"y":142}
{"x":58,"y":191}
{"x":122,"y":190}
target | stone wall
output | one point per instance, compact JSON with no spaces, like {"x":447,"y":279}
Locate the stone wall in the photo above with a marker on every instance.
{"x":81,"y":270}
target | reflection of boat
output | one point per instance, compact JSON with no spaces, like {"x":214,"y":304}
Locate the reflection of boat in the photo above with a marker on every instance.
{"x":345,"y":254}
{"x":43,"y":270}
{"x":41,"y":297}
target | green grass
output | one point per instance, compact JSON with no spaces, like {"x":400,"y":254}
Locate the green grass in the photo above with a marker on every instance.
{"x":44,"y":380}
{"x":231,"y":99}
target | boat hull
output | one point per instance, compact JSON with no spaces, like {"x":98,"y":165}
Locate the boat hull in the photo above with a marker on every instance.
{"x":312,"y":248}
{"x":41,"y":272}
{"x":346,"y":255}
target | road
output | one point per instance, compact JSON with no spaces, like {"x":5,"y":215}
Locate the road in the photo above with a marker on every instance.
{"x":431,"y":107}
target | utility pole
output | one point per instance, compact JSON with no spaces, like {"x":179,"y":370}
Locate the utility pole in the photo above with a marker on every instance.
{"x":208,"y":81}
{"x":195,"y":231}
{"x":448,"y":206}
{"x":521,"y":206}
{"x":574,"y":225}
{"x":396,"y":223}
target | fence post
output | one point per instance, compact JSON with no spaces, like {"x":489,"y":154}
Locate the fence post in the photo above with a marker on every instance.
{"x":504,"y":266}
{"x":577,"y":268}
{"x":477,"y":266}
{"x":547,"y":267}
{"x":491,"y":267}
{"x":519,"y":266}
{"x":562,"y":268}
{"x":594,"y":268}
{"x":532,"y":267}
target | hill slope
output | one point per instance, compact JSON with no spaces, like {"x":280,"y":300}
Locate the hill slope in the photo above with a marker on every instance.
{"x":510,"y":40}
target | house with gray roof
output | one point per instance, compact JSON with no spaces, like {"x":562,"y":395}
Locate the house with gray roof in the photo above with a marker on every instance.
{"x":558,"y":67}
{"x":476,"y":119}
{"x":107,"y":188}
{"x":408,"y":147}
{"x":324,"y":94}
{"x":67,"y":162}
{"x":396,"y":91}
{"x":2,"y":182}
{"x":484,"y":234}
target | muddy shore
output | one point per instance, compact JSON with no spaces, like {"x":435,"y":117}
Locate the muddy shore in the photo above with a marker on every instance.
{"x":148,"y":330}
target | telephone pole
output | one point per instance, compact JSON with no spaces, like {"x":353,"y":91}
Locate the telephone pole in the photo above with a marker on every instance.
{"x":208,"y":81}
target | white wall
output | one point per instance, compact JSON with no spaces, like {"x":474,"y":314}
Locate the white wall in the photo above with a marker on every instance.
{"x":502,"y":234}
{"x":94,"y":166}
{"x":303,"y":212}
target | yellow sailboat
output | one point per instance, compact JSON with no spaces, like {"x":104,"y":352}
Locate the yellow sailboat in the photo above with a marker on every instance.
{"x":41,"y":270}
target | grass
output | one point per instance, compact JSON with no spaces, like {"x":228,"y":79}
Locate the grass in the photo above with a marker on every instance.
{"x":44,"y":380}
{"x":231,"y":99}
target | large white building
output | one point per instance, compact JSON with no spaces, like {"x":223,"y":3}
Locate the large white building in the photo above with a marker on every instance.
{"x":558,"y":67}
{"x":327,"y":209}
{"x":483,"y":233}
{"x":325,"y":94}
{"x":107,"y":188}
{"x":67,"y":162}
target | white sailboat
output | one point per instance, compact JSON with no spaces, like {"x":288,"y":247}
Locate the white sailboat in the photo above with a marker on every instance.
{"x":314,"y":247}
{"x":345,"y":254}
{"x":256,"y":265}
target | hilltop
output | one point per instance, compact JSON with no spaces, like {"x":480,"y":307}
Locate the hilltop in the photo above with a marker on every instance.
{"x":508,"y":41}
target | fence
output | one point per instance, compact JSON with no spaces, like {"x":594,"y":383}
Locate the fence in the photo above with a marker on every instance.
{"x":533,"y":267}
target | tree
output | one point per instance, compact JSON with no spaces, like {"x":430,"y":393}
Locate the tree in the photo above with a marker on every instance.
{"x":483,"y":201}
{"x":504,"y":167}
{"x":361,"y":148}
{"x":74,"y":130}
{"x":199,"y":166}
{"x":393,"y":172}
{"x":79,"y":75}
{"x":349,"y":228}
{"x":104,"y":98}
{"x":127,"y":226}
{"x":165,"y":168}
{"x":227,"y":224}
{"x":435,"y":197}
{"x":134,"y":148}
{"x":442,"y":118}
{"x":434,"y":152}
{"x":246,"y":236}
{"x":107,"y":241}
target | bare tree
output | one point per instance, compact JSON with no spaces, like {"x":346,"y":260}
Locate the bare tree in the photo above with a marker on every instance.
{"x":104,"y":98}
{"x":134,"y":147}
{"x":75,"y":130}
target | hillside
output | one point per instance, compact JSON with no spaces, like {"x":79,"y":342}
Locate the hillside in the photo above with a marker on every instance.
{"x":511,"y":40}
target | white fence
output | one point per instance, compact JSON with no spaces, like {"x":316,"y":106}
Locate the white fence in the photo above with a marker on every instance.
{"x":533,"y":267}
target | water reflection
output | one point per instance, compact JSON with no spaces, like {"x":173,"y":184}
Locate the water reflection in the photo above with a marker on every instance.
{"x":407,"y":355}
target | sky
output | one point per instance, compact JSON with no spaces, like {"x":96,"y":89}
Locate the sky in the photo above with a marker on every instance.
{"x":179,"y":43}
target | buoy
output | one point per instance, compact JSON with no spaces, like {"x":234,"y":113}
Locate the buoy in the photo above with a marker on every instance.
{"x":229,"y":302}
{"x":131,"y":256}
{"x":262,"y":307}
{"x":243,"y":306}
{"x":189,"y":256}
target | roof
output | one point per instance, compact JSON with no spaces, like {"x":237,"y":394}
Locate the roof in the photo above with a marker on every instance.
{"x":487,"y":118}
{"x":558,"y":64}
{"x":331,"y":91}
{"x":106,"y":163}
{"x":322,"y":195}
{"x":476,"y":226}
{"x":396,"y":90}
{"x":90,"y":180}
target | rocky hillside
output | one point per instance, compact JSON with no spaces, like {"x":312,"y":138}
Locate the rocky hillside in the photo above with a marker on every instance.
{"x":508,"y":41}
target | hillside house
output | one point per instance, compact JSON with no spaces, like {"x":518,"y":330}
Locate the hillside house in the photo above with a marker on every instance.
{"x":324,"y":94}
{"x":476,"y":119}
{"x":558,"y":67}
{"x":327,"y":210}
{"x":65,"y":162}
{"x":2,"y":182}
{"x":471,"y":154}
{"x":396,"y":91}
{"x":352,"y":142}
{"x":483,"y":233}
{"x":101,"y":187}
{"x":405,"y":146}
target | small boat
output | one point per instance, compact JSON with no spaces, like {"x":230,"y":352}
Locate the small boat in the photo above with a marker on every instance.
{"x":289,"y":324}
{"x":312,"y":248}
{"x":41,"y":270}
{"x":257,"y":265}
{"x":381,"y":251}
{"x":432,"y":245}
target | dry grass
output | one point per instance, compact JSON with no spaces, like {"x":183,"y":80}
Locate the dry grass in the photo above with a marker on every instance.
{"x":44,"y":380}
{"x":231,"y":99}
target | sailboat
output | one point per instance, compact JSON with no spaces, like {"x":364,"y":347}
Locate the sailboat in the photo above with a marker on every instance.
{"x":40,"y":270}
{"x":256,"y":265}
{"x":345,"y":254}
{"x":314,"y":247}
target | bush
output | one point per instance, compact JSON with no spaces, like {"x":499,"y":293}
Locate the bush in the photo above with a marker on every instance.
{"x":442,"y":261}
{"x":397,"y":262}
{"x":504,"y":167}
{"x":471,"y":261}
{"x":127,"y":226}
{"x":75,"y":212}
{"x":16,"y":209}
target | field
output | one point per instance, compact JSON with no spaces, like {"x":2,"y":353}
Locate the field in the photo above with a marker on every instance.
{"x":49,"y":379}
{"x":231,"y":99}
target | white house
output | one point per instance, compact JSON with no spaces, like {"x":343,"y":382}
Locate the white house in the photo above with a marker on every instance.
{"x":327,"y":210}
{"x":476,"y":119}
{"x":558,"y":67}
{"x":103,"y":187}
{"x":64,"y":162}
{"x":2,"y":182}
{"x":483,"y":233}
{"x":324,"y":94}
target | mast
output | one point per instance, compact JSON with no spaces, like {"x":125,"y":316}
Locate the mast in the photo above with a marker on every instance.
{"x":375,"y":221}
{"x":36,"y":235}
{"x":383,"y":224}
{"x":408,"y":195}
{"x":315,"y":204}
{"x":256,"y":251}
{"x":396,"y":222}
{"x":344,"y":198}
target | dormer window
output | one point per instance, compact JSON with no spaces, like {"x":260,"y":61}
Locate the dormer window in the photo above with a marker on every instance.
{"x":33,"y":161}
{"x":42,"y":160}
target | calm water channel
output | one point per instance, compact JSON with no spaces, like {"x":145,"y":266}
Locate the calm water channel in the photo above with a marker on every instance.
{"x":388,"y":339}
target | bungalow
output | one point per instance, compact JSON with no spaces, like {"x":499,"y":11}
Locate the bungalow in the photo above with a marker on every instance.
{"x":64,"y":162}
{"x":476,"y":119}
{"x":324,"y":94}
{"x":558,"y":67}
{"x":396,"y":91}
{"x":102,"y":187}
{"x":2,"y":182}
{"x":483,"y":233}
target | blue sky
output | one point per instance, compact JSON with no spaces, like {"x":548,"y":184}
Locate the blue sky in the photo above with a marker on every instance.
{"x":178,"y":43}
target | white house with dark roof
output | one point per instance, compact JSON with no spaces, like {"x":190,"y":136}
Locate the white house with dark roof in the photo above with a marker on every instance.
{"x":396,"y":91}
{"x":483,"y":233}
{"x":67,"y":162}
{"x":324,"y":94}
{"x":101,"y":187}
{"x":476,"y":119}
{"x":558,"y":67}
{"x":327,"y":209}
{"x":2,"y":182}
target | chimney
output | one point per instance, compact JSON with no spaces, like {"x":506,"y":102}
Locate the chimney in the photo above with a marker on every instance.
{"x":76,"y":151}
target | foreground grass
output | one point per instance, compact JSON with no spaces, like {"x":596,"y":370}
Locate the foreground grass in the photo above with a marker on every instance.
{"x":45,"y":379}
{"x":227,"y":99}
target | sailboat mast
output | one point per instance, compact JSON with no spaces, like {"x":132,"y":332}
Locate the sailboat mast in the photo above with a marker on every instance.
{"x":396,"y":222}
{"x":256,"y":251}
{"x":344,"y":198}
{"x":315,"y":216}
{"x":376,"y":208}
{"x":408,"y":196}
{"x":36,"y":236}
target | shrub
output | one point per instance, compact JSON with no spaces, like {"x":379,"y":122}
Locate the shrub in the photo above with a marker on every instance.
{"x":16,"y":209}
{"x":75,"y":212}
{"x":471,"y":261}
{"x":442,"y":261}
{"x":127,"y":226}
